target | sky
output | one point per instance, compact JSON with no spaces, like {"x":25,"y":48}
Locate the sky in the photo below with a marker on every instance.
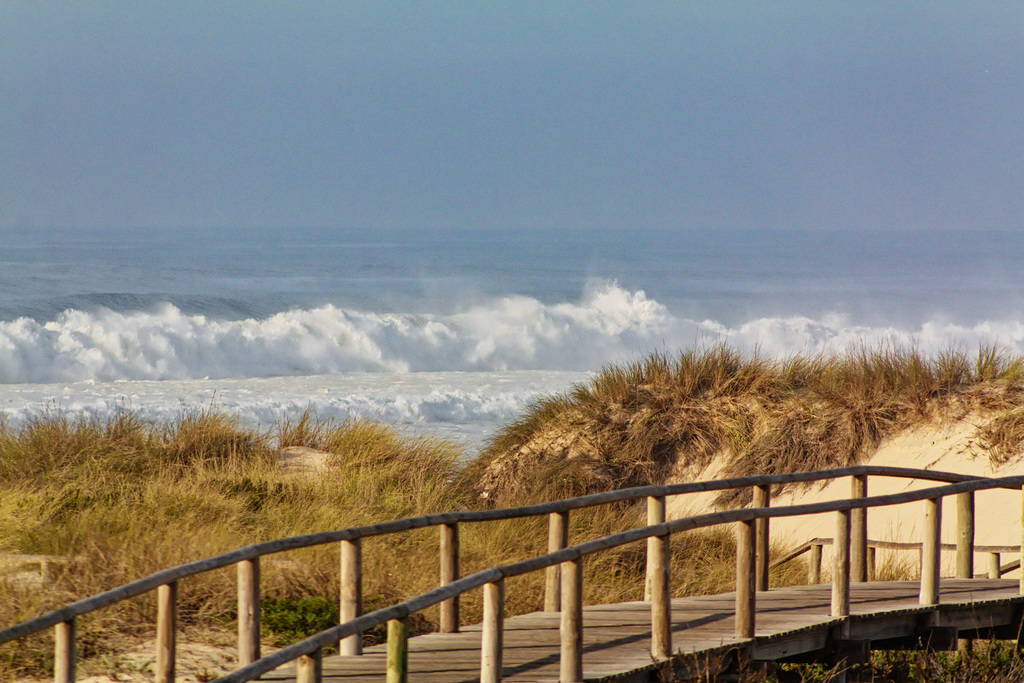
{"x":508,"y":115}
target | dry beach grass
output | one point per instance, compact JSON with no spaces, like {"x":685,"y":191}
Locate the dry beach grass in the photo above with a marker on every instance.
{"x":663,"y":418}
{"x":119,"y":499}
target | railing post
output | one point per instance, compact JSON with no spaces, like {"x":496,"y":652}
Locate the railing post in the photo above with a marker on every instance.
{"x":398,"y":651}
{"x":166,"y":624}
{"x":449,"y":620}
{"x":655,"y":515}
{"x":762,"y":499}
{"x":859,"y":531}
{"x":571,"y":626}
{"x":841,"y":565}
{"x":351,"y":597}
{"x":558,"y":537}
{"x":659,"y":576}
{"x":745,"y":581}
{"x":995,"y":568}
{"x":872,"y":563}
{"x":814,"y":564}
{"x":248,"y":611}
{"x":310,"y":668}
{"x":965,"y":535}
{"x":1021,"y":554}
{"x":64,"y":655}
{"x":493,"y":632}
{"x":930,"y":552}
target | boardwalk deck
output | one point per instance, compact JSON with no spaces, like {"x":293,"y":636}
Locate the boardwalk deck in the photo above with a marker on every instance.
{"x":790,"y":622}
{"x":615,"y":640}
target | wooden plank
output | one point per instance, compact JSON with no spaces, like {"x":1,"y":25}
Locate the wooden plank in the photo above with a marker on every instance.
{"x":806,"y":641}
{"x":610,"y":660}
{"x":623,"y":652}
{"x":971,"y":617}
{"x":876,"y":627}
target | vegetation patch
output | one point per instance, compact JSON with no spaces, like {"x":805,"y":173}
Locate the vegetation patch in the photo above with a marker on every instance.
{"x":289,"y":620}
{"x":114,"y":500}
{"x":663,"y":419}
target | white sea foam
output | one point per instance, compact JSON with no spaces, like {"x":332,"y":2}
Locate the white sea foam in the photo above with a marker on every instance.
{"x":462,"y":374}
{"x":608,"y":324}
{"x":465,"y":406}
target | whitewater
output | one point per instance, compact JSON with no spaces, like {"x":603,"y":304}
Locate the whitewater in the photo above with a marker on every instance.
{"x":400,"y":329}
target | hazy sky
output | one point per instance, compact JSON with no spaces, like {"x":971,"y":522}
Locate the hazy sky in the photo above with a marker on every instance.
{"x":699,"y":115}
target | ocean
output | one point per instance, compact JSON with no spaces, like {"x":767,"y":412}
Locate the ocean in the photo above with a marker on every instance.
{"x":454,"y":332}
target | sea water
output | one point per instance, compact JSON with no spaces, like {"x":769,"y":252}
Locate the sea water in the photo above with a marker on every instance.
{"x":456,"y":331}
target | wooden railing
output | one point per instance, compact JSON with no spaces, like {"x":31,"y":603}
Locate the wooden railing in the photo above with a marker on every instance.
{"x":563,"y":566}
{"x":994,"y":568}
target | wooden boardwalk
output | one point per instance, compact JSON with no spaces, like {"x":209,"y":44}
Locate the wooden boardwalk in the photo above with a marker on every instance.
{"x":789,"y":622}
{"x":630,"y":642}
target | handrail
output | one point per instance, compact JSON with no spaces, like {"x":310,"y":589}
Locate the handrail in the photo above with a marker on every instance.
{"x":965,"y":567}
{"x":575,"y":552}
{"x":887,"y":545}
{"x":148,"y":583}
{"x":65,"y":615}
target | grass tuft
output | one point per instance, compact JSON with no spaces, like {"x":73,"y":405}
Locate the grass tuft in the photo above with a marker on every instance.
{"x":665,"y":418}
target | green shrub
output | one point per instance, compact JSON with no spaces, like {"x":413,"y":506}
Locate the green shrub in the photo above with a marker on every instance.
{"x":288,"y":620}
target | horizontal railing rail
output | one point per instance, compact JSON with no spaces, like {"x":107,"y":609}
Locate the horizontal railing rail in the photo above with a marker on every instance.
{"x":574,"y":553}
{"x":813,"y":546}
{"x":656,"y":532}
{"x":887,"y":545}
{"x":146,"y":584}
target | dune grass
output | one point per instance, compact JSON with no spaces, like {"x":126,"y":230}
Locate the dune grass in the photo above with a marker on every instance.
{"x":661,"y":418}
{"x":122,"y":498}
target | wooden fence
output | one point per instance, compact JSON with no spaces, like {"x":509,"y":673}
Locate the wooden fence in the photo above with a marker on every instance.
{"x":563,"y":565}
{"x":994,"y":568}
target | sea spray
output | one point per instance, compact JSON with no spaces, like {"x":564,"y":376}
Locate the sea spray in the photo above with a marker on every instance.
{"x":467,"y":407}
{"x":510,"y":333}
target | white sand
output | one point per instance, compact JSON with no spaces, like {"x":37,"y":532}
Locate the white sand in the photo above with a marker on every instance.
{"x":949,"y":447}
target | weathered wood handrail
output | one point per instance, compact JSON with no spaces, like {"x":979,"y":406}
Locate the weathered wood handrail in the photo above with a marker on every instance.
{"x":151,"y":582}
{"x":568,"y":558}
{"x":573,"y":556}
{"x":887,"y":545}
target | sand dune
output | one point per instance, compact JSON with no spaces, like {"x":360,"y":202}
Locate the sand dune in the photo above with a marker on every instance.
{"x":950,"y":447}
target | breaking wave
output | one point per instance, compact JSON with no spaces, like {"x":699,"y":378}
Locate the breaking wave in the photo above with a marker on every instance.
{"x":608,"y":324}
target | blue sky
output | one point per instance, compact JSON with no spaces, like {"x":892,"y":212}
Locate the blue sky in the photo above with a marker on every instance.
{"x":689,"y":115}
